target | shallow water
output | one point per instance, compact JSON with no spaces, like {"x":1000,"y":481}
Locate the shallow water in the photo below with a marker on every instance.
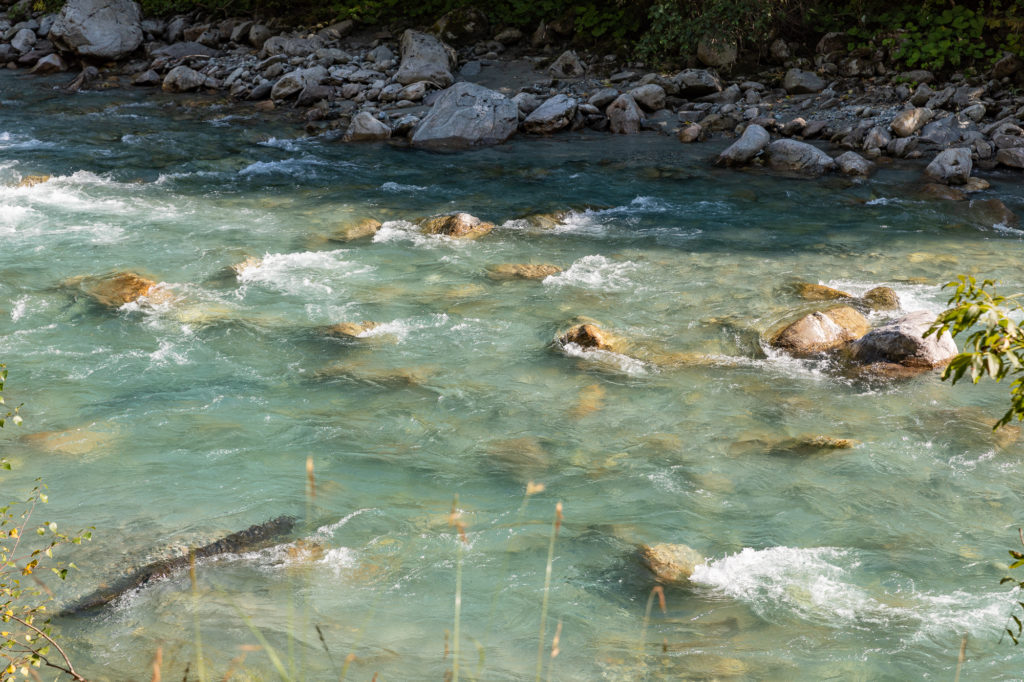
{"x":194,"y":418}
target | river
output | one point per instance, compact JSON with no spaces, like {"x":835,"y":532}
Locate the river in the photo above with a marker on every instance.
{"x":165,"y":424}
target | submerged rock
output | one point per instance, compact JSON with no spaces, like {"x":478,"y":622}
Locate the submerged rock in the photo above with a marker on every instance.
{"x":506,"y":271}
{"x":367,"y":227}
{"x":458,"y":225}
{"x":819,"y":292}
{"x":671,"y":563}
{"x":903,"y":343}
{"x":350,"y":330}
{"x":80,"y":441}
{"x":821,"y":331}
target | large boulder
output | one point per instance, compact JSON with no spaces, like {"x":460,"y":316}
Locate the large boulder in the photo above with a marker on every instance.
{"x":554,"y":114}
{"x":297,"y":81}
{"x":753,"y":140}
{"x":800,"y":82}
{"x":798,"y":157}
{"x":624,"y":116}
{"x":117,"y":288}
{"x":467,"y":115}
{"x":852,"y":163}
{"x":364,"y":127}
{"x":651,"y":96}
{"x":697,"y":83}
{"x":568,"y":65}
{"x":98,"y":29}
{"x":821,"y":331}
{"x":424,"y":58}
{"x":903,"y":343}
{"x":718,"y":53}
{"x":458,"y":225}
{"x":183,"y":79}
{"x":908,"y":122}
{"x":951,"y":166}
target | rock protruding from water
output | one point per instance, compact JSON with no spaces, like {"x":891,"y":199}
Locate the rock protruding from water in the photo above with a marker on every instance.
{"x":852,"y":163}
{"x":819,"y":292}
{"x":424,"y":58}
{"x":951,"y":166}
{"x":506,"y":271}
{"x":457,"y":225}
{"x":624,"y":116}
{"x":741,"y":152}
{"x":350,"y":330}
{"x":98,"y":29}
{"x":116,"y":289}
{"x":367,"y":227}
{"x":798,"y":157}
{"x":671,"y":563}
{"x":467,"y":115}
{"x":902,"y":342}
{"x":881,"y":298}
{"x":821,"y":331}
{"x":588,"y":335}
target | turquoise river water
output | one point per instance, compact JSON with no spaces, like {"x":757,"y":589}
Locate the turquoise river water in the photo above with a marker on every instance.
{"x":169,"y":423}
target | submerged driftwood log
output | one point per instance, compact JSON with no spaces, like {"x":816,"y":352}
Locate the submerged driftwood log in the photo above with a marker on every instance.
{"x":252,"y":538}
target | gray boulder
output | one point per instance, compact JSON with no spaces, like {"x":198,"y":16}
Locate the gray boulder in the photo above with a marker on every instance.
{"x":183,"y":79}
{"x":697,"y":83}
{"x":424,"y":58}
{"x":568,"y":65}
{"x":624,"y":116}
{"x":554,"y":114}
{"x":23,"y":40}
{"x":798,"y":157}
{"x":799,"y":82}
{"x":821,"y":331}
{"x":99,"y":29}
{"x":741,"y":152}
{"x":951,"y":166}
{"x":852,"y":163}
{"x":51,"y":63}
{"x":719,"y":53}
{"x":365,"y":127}
{"x":467,"y":115}
{"x":296,"y":81}
{"x":1013,"y":157}
{"x":902,"y":342}
{"x":603,"y":97}
{"x":651,"y":96}
{"x":908,"y":122}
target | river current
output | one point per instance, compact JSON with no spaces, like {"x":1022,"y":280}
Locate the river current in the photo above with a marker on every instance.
{"x":169,"y":423}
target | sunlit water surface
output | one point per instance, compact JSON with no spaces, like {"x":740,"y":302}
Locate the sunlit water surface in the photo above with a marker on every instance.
{"x":195,"y":418}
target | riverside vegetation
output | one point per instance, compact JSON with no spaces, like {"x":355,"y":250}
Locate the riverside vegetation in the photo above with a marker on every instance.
{"x":675,"y":337}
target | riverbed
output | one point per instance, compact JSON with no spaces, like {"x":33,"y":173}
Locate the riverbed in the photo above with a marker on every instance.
{"x":168,"y":423}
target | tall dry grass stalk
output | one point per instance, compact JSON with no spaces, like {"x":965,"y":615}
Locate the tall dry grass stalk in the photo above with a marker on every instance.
{"x":200,"y":664}
{"x":158,"y":663}
{"x":660,"y":592}
{"x":547,"y":589}
{"x":531,"y":490}
{"x":555,"y":650}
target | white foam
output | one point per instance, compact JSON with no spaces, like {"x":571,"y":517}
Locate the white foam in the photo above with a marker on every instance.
{"x":288,"y":144}
{"x":616,"y":361}
{"x":15,"y":141}
{"x":398,"y":188}
{"x":595,"y":272}
{"x":302,"y":272}
{"x":912,"y":296}
{"x":300,"y":167}
{"x":402,"y":328}
{"x":402,"y":230}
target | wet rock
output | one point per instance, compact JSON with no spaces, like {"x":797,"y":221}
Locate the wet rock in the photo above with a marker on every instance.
{"x":296,"y":81}
{"x":798,"y":82}
{"x":507,"y":271}
{"x":934,"y":190}
{"x":803,"y":446}
{"x":250,"y":262}
{"x":424,"y":58}
{"x":881,"y":298}
{"x":183,"y":79}
{"x":624,"y":116}
{"x":671,"y":563}
{"x":691,"y":133}
{"x":908,"y":122}
{"x":821,"y":331}
{"x":350,"y":330}
{"x":951,"y":166}
{"x":32,"y":180}
{"x":98,"y":29}
{"x":116,"y":289}
{"x":588,"y":336}
{"x":993,"y":212}
{"x":741,"y":152}
{"x":467,"y":115}
{"x":364,"y":128}
{"x":819,"y":292}
{"x":852,"y":163}
{"x":367,"y":227}
{"x":77,"y":442}
{"x":903,"y":343}
{"x":554,"y":114}
{"x":798,"y":157}
{"x":651,"y":96}
{"x":458,"y":225}
{"x":568,"y":65}
{"x":974,"y":184}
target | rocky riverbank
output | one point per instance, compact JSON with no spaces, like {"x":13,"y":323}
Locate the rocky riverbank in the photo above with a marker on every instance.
{"x":469,"y":85}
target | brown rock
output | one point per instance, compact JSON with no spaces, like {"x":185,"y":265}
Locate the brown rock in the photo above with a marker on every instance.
{"x":881,"y":298}
{"x":821,"y":331}
{"x":250,"y":262}
{"x":671,"y":563}
{"x":116,"y":289}
{"x":993,"y":212}
{"x":69,"y":442}
{"x":458,"y":225}
{"x":690,"y":133}
{"x":350,"y":330}
{"x":934,"y":190}
{"x":587,"y":336}
{"x":506,"y":271}
{"x":546,"y":221}
{"x":33,"y":180}
{"x":819,"y":292}
{"x":367,"y":227}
